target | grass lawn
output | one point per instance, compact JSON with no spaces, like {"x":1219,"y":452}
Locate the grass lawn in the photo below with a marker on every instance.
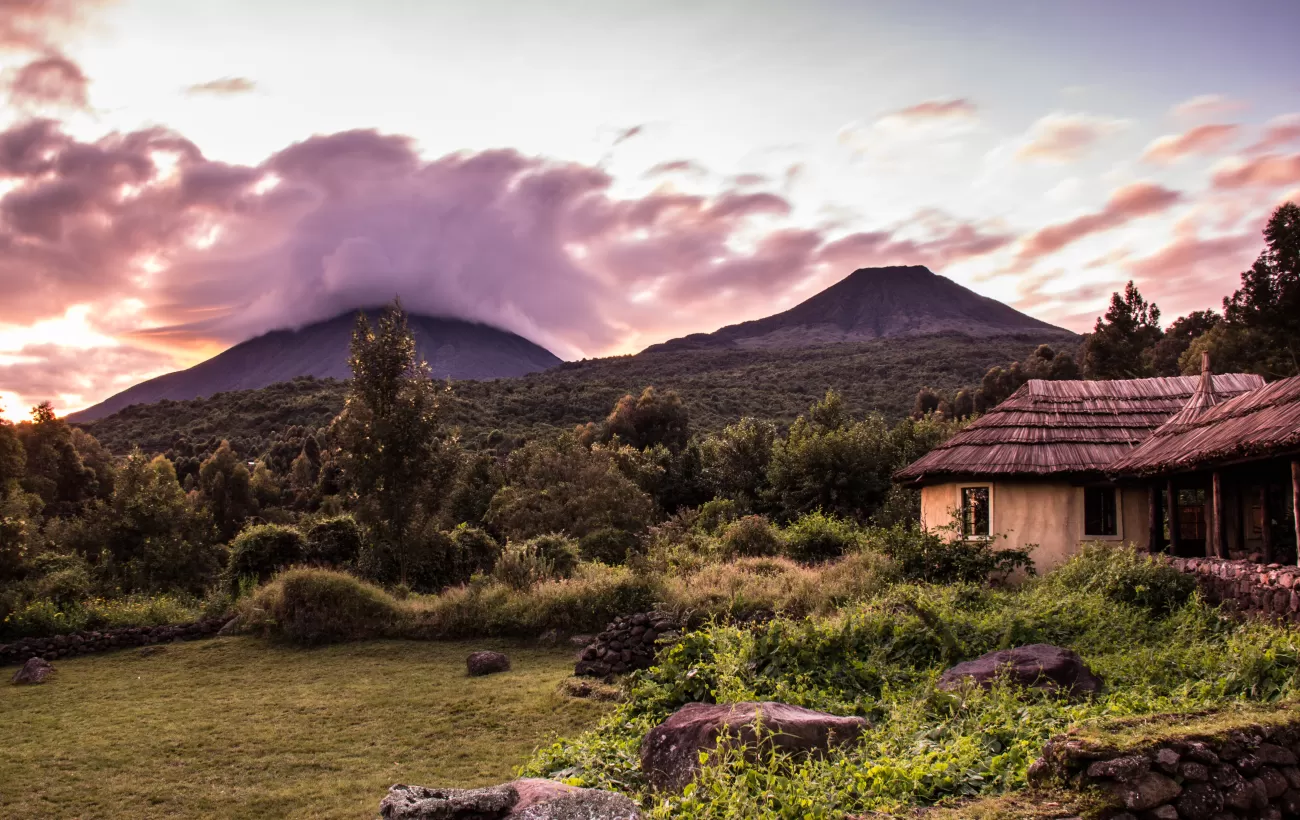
{"x":233,"y":727}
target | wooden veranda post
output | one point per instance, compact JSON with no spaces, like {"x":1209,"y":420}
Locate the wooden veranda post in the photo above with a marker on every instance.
{"x":1295,"y":500}
{"x":1155,"y":521}
{"x":1265,"y":531}
{"x":1175,"y":534}
{"x":1218,"y":535}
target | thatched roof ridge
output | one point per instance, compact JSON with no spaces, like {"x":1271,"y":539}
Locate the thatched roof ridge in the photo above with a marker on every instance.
{"x":1064,"y":428}
{"x":1258,"y":424}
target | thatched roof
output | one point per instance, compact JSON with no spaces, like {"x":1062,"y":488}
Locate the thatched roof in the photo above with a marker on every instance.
{"x":1258,"y":424}
{"x":1065,"y":428}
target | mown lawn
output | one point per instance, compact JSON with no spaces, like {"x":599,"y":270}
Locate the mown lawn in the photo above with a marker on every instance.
{"x":237,"y":728}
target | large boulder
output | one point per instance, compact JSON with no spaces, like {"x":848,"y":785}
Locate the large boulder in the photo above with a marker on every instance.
{"x":1039,"y":665}
{"x":487,"y":663}
{"x":670,"y":752}
{"x":526,"y":799}
{"x":36,"y":670}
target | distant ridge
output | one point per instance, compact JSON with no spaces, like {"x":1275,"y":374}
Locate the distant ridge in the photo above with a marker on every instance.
{"x":873,"y":303}
{"x":453,"y":348}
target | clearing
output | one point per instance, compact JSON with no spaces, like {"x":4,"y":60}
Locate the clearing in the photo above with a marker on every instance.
{"x":234,"y":727}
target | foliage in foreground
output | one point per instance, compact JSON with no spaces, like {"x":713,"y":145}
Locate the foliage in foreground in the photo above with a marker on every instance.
{"x":881,"y":660}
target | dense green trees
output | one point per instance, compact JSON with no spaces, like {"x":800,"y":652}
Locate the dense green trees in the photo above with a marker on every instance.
{"x":1120,"y":344}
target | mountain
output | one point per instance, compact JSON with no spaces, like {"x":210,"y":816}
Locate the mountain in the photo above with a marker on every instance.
{"x":453,"y":348}
{"x":873,"y":303}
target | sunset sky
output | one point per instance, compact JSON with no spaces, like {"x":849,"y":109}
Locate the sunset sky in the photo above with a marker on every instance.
{"x":177,"y":176}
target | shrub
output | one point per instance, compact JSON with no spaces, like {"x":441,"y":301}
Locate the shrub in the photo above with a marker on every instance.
{"x":817,"y":536}
{"x":522,"y":566}
{"x":474,"y":552}
{"x":608,"y":545}
{"x":750,"y":536}
{"x":68,"y":584}
{"x":716,"y":514}
{"x":1123,"y":574}
{"x":940,"y":558}
{"x":315,"y":606}
{"x":333,"y":542}
{"x":43,"y":617}
{"x":558,"y":551}
{"x":262,"y":550}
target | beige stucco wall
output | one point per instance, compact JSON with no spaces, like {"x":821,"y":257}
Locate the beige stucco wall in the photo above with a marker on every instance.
{"x":1045,"y":514}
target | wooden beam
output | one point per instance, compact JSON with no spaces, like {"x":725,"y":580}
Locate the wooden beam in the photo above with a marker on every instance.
{"x":1175,"y":534}
{"x":1217,"y":531}
{"x":1295,"y":500}
{"x":1155,"y":522}
{"x":1265,"y":531}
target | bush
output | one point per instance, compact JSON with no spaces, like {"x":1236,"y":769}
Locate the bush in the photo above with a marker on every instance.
{"x":333,"y":542}
{"x":66,"y":585}
{"x":817,"y":536}
{"x":939,"y":558}
{"x":1123,"y":574}
{"x":315,"y":606}
{"x":523,"y":566}
{"x":262,"y":550}
{"x":473,"y":552}
{"x":608,"y":545}
{"x":43,"y":617}
{"x":751,"y":536}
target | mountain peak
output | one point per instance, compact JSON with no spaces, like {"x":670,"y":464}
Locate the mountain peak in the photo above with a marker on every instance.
{"x":871,"y":303}
{"x":454,"y":348}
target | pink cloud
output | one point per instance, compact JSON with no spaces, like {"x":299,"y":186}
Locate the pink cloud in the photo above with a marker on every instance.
{"x":688,"y":167}
{"x":1194,"y":273}
{"x":937,"y":110}
{"x":1130,"y":202}
{"x":52,"y":80}
{"x":41,"y":372}
{"x":1203,"y":139}
{"x":1263,"y":171}
{"x":1207,"y":105}
{"x":223,"y":87}
{"x":1278,"y":133}
{"x":29,"y":24}
{"x":1066,"y":137}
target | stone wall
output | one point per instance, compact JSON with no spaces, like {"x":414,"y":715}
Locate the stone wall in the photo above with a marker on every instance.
{"x":81,"y":643}
{"x":1246,"y":773}
{"x":1264,"y":590}
{"x":626,"y":644}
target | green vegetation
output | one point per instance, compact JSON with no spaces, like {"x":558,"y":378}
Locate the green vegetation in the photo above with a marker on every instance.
{"x":880,"y":659}
{"x":234,"y":728}
{"x":717,"y":387}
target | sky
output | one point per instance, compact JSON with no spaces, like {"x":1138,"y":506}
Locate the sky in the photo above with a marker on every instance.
{"x":601,"y":176}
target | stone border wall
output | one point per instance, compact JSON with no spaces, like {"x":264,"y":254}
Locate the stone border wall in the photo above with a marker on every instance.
{"x":81,"y":643}
{"x":1247,"y":773}
{"x":1262,"y":590}
{"x":627,"y":644}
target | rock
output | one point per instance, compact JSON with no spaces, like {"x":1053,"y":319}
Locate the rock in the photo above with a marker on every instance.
{"x":1165,"y":812}
{"x":527,"y":799}
{"x":35,"y":671}
{"x":1201,"y":753}
{"x":1121,"y":768}
{"x":1292,"y":775}
{"x":1199,"y":801}
{"x":420,"y":803}
{"x":670,"y":751}
{"x":550,"y":637}
{"x":487,"y":663}
{"x":1193,"y":771}
{"x":1275,"y":784}
{"x":550,"y":800}
{"x":1275,"y":755}
{"x":1147,"y":792}
{"x":1167,"y":761}
{"x":147,"y":651}
{"x":1041,"y":666}
{"x":1245,"y":795}
{"x":231,"y":627}
{"x":1291,"y":802}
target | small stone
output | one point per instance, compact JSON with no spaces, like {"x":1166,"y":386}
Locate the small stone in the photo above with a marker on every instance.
{"x":1275,"y":755}
{"x":1199,"y":801}
{"x":1193,"y":771}
{"x":1248,"y":764}
{"x":1167,"y":761}
{"x":1121,"y":768}
{"x":1275,"y":784}
{"x":1225,"y":776}
{"x":1147,"y":792}
{"x":1165,"y":812}
{"x":1292,"y":775}
{"x":1246,"y":795}
{"x":487,"y":663}
{"x":1291,"y":802}
{"x":1201,"y":753}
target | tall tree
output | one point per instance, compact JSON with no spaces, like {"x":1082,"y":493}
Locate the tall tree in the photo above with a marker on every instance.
{"x":1178,"y":337}
{"x":226,"y":486}
{"x":657,"y":417}
{"x":1265,"y":311}
{"x":388,"y":435}
{"x":1119,"y":346}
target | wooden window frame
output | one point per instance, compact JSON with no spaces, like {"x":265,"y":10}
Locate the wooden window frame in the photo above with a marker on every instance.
{"x":961,"y":510}
{"x":1118,"y":494}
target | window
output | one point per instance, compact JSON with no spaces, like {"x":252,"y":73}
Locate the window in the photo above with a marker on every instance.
{"x":1099,"y":516}
{"x":975,"y":512}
